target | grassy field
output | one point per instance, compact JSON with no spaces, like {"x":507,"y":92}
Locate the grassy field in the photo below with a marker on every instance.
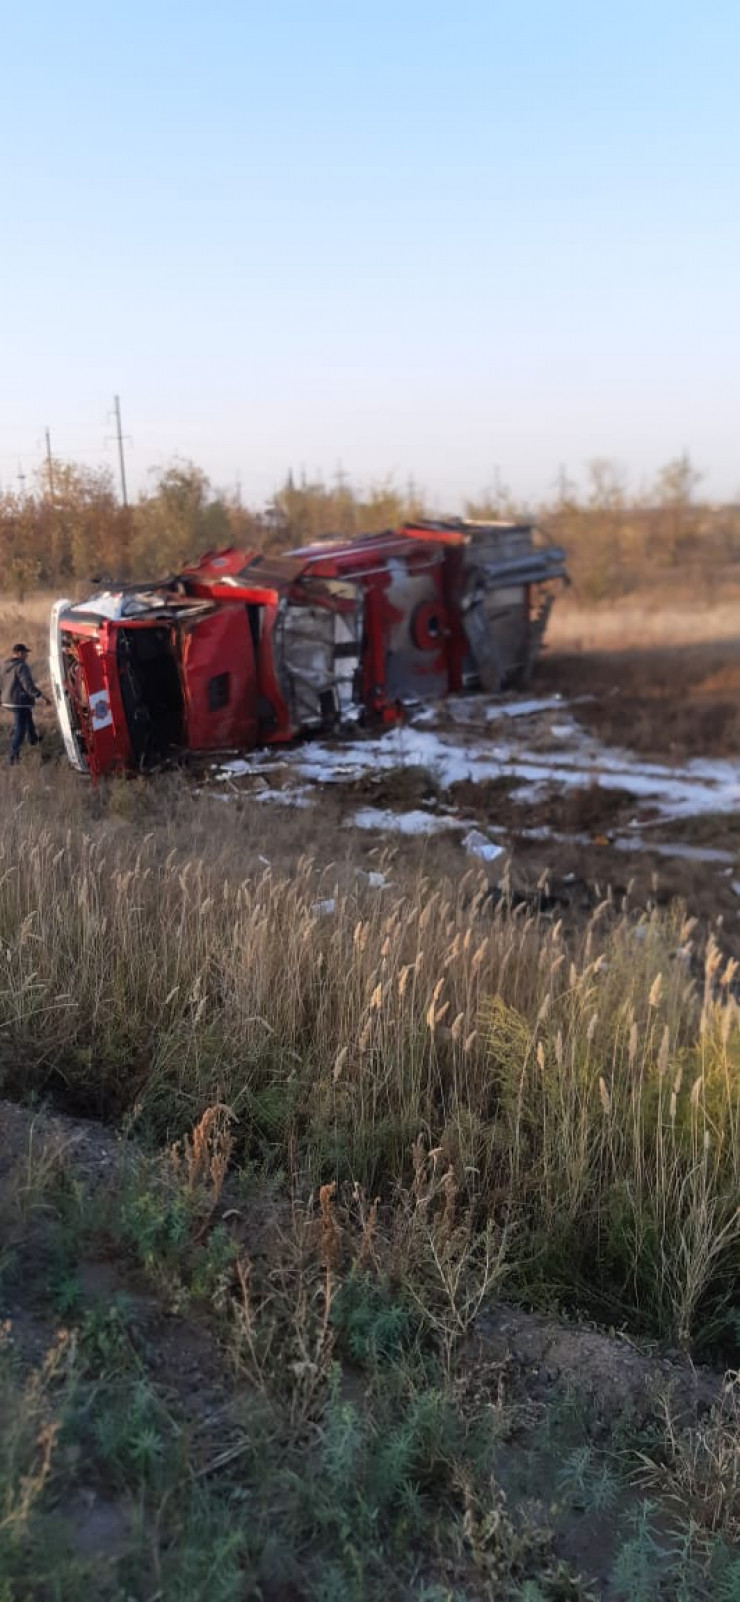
{"x":303,"y":1181}
{"x":665,"y":679}
{"x":637,"y":622}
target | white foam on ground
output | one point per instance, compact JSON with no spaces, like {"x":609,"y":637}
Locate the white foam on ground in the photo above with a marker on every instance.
{"x":414,"y":822}
{"x":284,"y":798}
{"x":634,"y":842}
{"x":687,"y":791}
{"x":492,"y":741}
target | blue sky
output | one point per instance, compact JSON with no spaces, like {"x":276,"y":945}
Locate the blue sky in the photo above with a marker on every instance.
{"x":414,"y":239}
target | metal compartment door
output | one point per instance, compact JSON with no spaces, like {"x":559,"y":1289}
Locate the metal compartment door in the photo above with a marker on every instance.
{"x":320,"y":649}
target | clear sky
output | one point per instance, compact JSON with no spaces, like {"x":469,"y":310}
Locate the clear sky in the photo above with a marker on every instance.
{"x":415,"y":239}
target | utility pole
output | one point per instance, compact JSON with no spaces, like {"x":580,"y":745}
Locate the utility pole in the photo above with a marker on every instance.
{"x":564,"y":487}
{"x":119,"y":437}
{"x":50,"y":464}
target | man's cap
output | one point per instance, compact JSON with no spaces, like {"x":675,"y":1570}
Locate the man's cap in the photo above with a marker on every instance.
{"x":17,"y":648}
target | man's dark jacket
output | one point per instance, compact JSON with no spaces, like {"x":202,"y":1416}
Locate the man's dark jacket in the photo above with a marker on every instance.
{"x":18,"y":688}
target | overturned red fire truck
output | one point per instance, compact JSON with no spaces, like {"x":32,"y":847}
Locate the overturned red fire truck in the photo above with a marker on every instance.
{"x":243,"y":649}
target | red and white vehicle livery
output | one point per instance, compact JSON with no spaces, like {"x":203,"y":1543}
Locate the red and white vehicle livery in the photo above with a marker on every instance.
{"x":242,"y":649}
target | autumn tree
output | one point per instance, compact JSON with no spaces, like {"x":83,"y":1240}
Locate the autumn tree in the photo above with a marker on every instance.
{"x":178,"y":520}
{"x":309,"y":510}
{"x":678,"y":524}
{"x":85,"y":528}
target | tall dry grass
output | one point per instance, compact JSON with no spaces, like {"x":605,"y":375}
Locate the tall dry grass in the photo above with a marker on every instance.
{"x":28,"y":621}
{"x":643,"y":623}
{"x":584,"y":1090}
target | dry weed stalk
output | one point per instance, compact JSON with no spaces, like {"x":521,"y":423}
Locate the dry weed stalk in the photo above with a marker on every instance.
{"x":32,"y":1430}
{"x":702,"y":1463}
{"x":449,"y":1267}
{"x":283,"y":1332}
{"x":367,"y":1255}
{"x":205,"y":1153}
{"x":329,"y":1238}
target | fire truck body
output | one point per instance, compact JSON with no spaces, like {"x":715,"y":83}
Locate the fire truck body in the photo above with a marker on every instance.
{"x":241,"y":649}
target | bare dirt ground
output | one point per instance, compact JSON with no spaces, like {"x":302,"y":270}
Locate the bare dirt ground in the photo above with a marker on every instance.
{"x":568,"y":1398}
{"x":672,"y":701}
{"x":666,"y":687}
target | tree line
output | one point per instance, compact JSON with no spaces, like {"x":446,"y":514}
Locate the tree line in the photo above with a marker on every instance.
{"x":69,"y":528}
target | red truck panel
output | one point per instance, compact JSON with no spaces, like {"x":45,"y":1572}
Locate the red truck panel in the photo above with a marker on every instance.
{"x":100,"y":710}
{"x":219,"y":681}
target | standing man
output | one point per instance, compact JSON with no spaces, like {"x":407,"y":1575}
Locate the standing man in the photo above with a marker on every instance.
{"x":18,"y":694}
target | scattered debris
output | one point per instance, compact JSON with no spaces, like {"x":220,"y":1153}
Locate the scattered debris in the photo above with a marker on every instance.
{"x":477,"y":845}
{"x":373,"y":879}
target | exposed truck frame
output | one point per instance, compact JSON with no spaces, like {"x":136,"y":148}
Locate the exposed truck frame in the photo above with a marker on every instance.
{"x":242,"y":649}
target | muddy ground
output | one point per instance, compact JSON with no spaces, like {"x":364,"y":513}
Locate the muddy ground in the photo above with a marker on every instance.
{"x":617,"y":770}
{"x":675,"y":702}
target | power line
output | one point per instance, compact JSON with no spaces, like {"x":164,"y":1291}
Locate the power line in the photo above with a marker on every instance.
{"x":69,"y":454}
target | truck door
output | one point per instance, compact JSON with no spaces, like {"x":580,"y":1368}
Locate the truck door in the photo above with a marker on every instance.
{"x":219,"y":681}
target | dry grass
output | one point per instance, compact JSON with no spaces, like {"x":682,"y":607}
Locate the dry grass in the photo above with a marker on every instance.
{"x":631,"y":624}
{"x":30,"y":1431}
{"x":28,"y":621}
{"x":413,"y":1097}
{"x":700,"y":1467}
{"x":659,"y":680}
{"x":581,"y":1087}
{"x":583,"y":1092}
